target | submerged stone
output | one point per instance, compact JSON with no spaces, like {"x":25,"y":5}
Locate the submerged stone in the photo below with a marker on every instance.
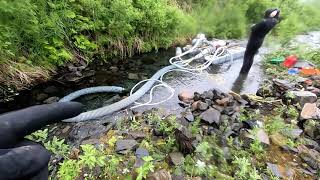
{"x":185,"y":96}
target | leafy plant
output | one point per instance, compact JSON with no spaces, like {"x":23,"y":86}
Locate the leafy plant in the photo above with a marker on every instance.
{"x":91,"y":157}
{"x":69,"y":170}
{"x":146,"y":168}
{"x":57,"y":146}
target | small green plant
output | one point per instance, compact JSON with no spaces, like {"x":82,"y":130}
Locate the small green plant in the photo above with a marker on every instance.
{"x":112,"y":166}
{"x":292,"y":143}
{"x":244,"y":168}
{"x":69,"y":170}
{"x":146,"y":168}
{"x":204,"y":149}
{"x":195,"y":128}
{"x":275,"y":124}
{"x":39,"y":136}
{"x":256,"y":147}
{"x":166,"y":126}
{"x":92,"y":157}
{"x":58,"y":146}
{"x":292,"y":112}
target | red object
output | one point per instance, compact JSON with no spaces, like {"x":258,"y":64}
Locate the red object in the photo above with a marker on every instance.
{"x":290,"y":61}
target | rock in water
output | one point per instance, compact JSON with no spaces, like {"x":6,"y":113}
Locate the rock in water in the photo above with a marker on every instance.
{"x":133,"y":76}
{"x":185,"y":96}
{"x":310,"y":111}
{"x":126,"y":144}
{"x":211,"y":116}
{"x":303,"y":97}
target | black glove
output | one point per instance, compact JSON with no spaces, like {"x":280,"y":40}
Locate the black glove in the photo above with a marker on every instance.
{"x":24,"y":159}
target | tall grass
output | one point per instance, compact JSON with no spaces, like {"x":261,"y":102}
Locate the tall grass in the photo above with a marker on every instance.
{"x":44,"y":34}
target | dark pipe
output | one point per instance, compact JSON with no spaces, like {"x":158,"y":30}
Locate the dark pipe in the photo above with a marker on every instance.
{"x":27,"y":160}
{"x":15,"y":125}
{"x":258,"y":33}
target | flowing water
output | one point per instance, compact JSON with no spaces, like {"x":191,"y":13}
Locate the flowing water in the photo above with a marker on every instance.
{"x":224,"y":77}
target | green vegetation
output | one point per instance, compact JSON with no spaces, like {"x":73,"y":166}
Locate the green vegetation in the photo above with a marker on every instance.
{"x":37,"y":36}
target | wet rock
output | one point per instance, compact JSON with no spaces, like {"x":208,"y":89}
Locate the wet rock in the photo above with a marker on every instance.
{"x":133,"y":76}
{"x":211,"y":116}
{"x":141,"y":152}
{"x":310,"y":111}
{"x":41,"y":97}
{"x":160,"y":175}
{"x":283,"y":84}
{"x":185,"y":96}
{"x":136,"y":134}
{"x":278,"y":139}
{"x":208,"y":94}
{"x":51,"y":90}
{"x":310,"y":156}
{"x":281,"y":171}
{"x":176,"y":158}
{"x":303,"y":97}
{"x":202,"y":106}
{"x":51,"y":100}
{"x":189,"y":116}
{"x":127,"y":144}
